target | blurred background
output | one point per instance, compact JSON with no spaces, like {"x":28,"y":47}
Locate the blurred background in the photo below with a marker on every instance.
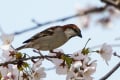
{"x":100,"y":26}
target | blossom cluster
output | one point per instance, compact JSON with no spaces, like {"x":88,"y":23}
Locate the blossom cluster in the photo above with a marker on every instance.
{"x":76,"y":66}
{"x":16,"y":71}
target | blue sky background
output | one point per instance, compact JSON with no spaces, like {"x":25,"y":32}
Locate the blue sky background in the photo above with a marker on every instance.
{"x":16,"y":15}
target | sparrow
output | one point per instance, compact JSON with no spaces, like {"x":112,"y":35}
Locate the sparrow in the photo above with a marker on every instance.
{"x":52,"y":38}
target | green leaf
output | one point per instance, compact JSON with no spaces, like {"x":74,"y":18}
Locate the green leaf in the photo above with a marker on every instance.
{"x":85,"y":51}
{"x":20,"y":68}
{"x":25,"y":64}
{"x":18,"y":55}
{"x":68,"y":61}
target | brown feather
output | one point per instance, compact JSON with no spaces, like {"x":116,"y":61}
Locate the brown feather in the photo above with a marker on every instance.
{"x":47,"y":32}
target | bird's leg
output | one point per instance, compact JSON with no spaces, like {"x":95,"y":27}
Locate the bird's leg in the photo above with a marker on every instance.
{"x":58,"y":54}
{"x":37,"y":51}
{"x":52,"y":51}
{"x":42,"y":56}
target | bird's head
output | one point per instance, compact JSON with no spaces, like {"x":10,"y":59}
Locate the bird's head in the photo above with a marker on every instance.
{"x":72,"y":30}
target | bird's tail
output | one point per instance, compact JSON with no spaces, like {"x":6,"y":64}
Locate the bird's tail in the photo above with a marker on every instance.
{"x":21,"y":47}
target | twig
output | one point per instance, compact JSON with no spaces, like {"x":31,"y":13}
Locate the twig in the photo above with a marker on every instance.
{"x":115,"y":3}
{"x":25,"y":59}
{"x":115,"y":54}
{"x":92,"y":10}
{"x":110,"y":72}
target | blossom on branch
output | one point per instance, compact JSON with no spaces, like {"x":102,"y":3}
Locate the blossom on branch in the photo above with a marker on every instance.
{"x":82,"y":70}
{"x":6,"y":40}
{"x":37,"y":71}
{"x":9,"y":72}
{"x":37,"y":64}
{"x":78,"y":56}
{"x":60,"y":64}
{"x":6,"y":46}
{"x":106,"y":52}
{"x":38,"y":74}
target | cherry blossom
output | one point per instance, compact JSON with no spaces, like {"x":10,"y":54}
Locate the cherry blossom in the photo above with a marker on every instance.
{"x":7,"y":38}
{"x":37,"y":70}
{"x":82,"y":70}
{"x":77,"y":64}
{"x":60,"y":65}
{"x":9,"y":72}
{"x":60,"y":69}
{"x":70,"y":75}
{"x":6,"y":45}
{"x":38,"y":74}
{"x":6,"y":41}
{"x":77,"y":55}
{"x":37,"y":64}
{"x":106,"y":52}
{"x":55,"y":61}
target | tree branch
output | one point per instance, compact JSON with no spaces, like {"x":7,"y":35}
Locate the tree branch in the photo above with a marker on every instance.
{"x":110,"y":72}
{"x":115,"y":3}
{"x":92,"y":10}
{"x":25,"y":59}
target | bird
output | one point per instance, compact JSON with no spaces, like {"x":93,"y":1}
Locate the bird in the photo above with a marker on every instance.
{"x":52,"y":38}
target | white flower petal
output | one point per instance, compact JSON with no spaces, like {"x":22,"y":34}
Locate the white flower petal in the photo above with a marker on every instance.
{"x":77,"y":64}
{"x":106,"y":52}
{"x":77,"y":56}
{"x":5,"y":47}
{"x":61,"y":70}
{"x":56,"y":61}
{"x":70,"y":75}
{"x":37,"y":64}
{"x":38,"y":74}
{"x":7,"y":38}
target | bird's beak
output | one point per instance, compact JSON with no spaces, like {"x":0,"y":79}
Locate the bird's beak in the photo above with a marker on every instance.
{"x":80,"y":35}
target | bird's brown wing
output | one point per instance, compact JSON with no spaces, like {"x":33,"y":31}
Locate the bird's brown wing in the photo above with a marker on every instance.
{"x":47,"y":32}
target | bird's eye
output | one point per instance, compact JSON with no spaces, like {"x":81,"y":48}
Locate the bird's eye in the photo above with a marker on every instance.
{"x":77,"y":31}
